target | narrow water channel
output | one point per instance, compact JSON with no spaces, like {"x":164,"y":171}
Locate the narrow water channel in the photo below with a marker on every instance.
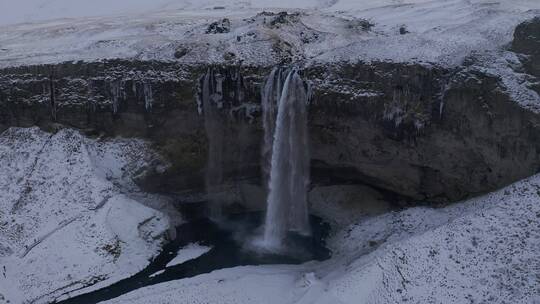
{"x":227,"y":241}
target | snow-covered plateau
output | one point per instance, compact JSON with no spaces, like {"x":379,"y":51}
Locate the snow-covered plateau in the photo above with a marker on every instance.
{"x":441,"y":31}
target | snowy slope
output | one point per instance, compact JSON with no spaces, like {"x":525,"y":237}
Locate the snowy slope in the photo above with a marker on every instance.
{"x":65,"y":222}
{"x":484,"y":250}
{"x":440,"y":31}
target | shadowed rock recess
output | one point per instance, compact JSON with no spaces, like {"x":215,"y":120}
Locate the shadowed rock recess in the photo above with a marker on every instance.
{"x":420,"y":131}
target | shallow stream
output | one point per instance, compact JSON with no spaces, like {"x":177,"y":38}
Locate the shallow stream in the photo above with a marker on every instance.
{"x":229,"y":241}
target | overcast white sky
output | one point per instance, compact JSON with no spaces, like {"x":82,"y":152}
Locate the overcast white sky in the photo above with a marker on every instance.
{"x":19,"y":11}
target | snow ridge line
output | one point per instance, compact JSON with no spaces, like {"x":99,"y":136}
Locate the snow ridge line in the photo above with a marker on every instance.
{"x":19,"y":201}
{"x":40,"y":239}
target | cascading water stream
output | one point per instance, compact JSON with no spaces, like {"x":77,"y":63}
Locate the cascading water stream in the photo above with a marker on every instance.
{"x":287,"y":134}
{"x":270,"y":96}
{"x":210,"y":101}
{"x":220,"y":90}
{"x":285,"y":154}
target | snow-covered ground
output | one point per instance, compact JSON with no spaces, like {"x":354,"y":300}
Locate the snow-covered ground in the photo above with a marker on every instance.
{"x":68,"y":217}
{"x":441,"y":31}
{"x":189,"y":252}
{"x":484,"y":250}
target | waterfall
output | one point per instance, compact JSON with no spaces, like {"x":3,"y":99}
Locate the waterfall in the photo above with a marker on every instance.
{"x":286,"y":134}
{"x":270,"y":96}
{"x":210,"y":101}
{"x":220,"y":91}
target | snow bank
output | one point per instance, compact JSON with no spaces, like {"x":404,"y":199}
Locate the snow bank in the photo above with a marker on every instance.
{"x":64,"y":218}
{"x":189,"y":252}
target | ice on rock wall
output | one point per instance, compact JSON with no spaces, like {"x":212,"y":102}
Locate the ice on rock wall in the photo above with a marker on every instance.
{"x":210,"y":102}
{"x":287,"y":208}
{"x":148,"y":96}
{"x":134,"y":87}
{"x":395,"y":110}
{"x":220,"y":90}
{"x":49,"y":89}
{"x":116,"y":88}
{"x":446,"y":87}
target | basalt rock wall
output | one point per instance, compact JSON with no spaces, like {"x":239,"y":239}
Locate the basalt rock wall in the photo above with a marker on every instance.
{"x":423,"y":132}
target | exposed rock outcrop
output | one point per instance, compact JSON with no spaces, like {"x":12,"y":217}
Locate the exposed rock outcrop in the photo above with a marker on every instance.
{"x":426,"y":133}
{"x":527,"y":42}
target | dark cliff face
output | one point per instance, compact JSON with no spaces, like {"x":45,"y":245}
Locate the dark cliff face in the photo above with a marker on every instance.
{"x":527,"y":42}
{"x":430,"y":134}
{"x":420,"y":131}
{"x":152,"y":100}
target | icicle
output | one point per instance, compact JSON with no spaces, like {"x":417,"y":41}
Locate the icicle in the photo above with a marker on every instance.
{"x":116,"y":93}
{"x":219,"y":92}
{"x":148,"y":96}
{"x":90,"y":93}
{"x":134,"y":87}
{"x":287,"y":208}
{"x":394,"y":111}
{"x":200,"y":89}
{"x":52,"y":90}
{"x":122,"y":90}
{"x":310,"y":92}
{"x":443,"y":96}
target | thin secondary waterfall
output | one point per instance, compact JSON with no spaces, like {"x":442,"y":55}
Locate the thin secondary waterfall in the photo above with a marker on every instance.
{"x":210,"y":101}
{"x":287,"y":208}
{"x":220,"y":91}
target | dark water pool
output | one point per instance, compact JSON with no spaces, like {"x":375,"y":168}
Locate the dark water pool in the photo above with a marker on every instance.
{"x":228,"y":240}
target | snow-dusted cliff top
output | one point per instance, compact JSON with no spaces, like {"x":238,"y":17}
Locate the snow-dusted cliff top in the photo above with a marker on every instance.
{"x":441,"y":31}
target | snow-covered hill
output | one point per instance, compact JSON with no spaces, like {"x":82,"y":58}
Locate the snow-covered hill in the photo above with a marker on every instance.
{"x":68,"y":217}
{"x":440,"y":31}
